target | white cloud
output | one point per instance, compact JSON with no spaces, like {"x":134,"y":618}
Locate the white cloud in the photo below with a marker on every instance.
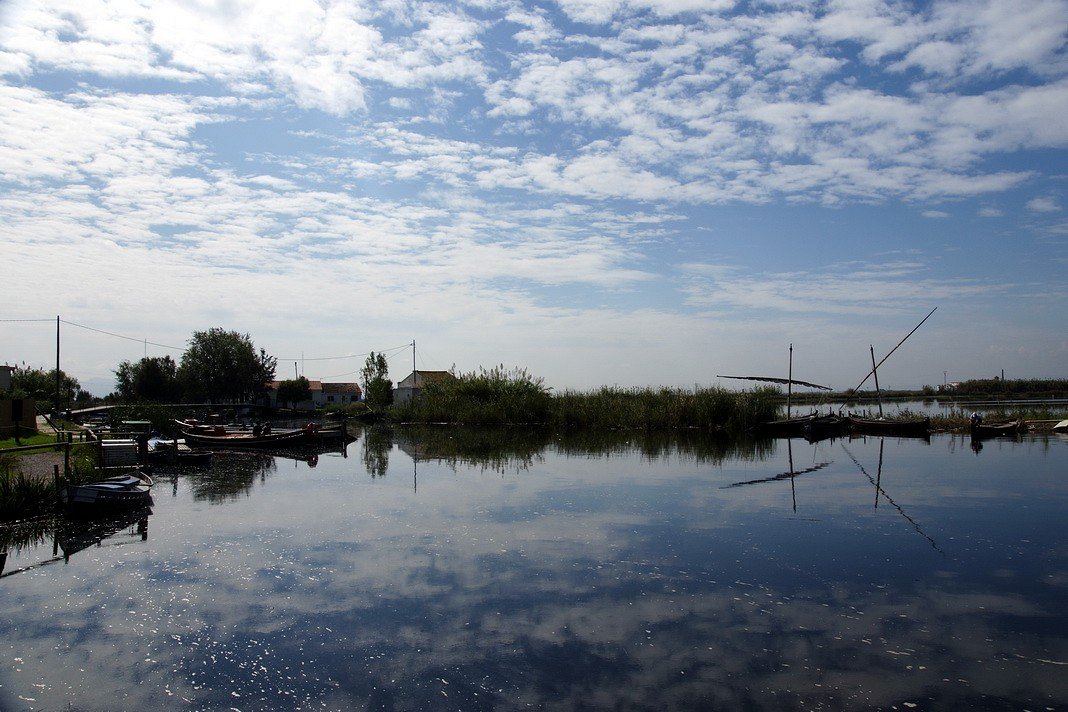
{"x":935,"y":214}
{"x":1045,"y":204}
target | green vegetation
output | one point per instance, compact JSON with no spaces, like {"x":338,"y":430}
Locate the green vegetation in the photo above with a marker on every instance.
{"x":1019,"y":388}
{"x":514,"y":397}
{"x":27,"y":439}
{"x":294,"y":391}
{"x":711,"y":409}
{"x":223,"y":366}
{"x":494,"y":397}
{"x":150,"y":379}
{"x":377,"y":388}
{"x":26,"y":494}
{"x":40,"y":385}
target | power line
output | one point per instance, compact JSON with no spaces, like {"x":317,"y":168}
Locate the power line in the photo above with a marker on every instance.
{"x":128,"y":338}
{"x":181,"y":349}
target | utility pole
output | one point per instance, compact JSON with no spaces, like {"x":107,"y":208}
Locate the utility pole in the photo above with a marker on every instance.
{"x":58,"y":386}
{"x":414,"y":369}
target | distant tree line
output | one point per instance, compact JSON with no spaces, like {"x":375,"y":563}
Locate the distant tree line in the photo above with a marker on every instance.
{"x":1031,"y":388}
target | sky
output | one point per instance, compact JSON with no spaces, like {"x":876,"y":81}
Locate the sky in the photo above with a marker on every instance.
{"x":602,"y":192}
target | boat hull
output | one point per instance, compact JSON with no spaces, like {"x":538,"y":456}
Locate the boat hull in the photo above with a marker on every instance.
{"x":121,"y":492}
{"x":995,"y":430}
{"x":913,"y":428}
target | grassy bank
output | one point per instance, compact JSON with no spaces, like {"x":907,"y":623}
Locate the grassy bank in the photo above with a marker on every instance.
{"x":514,"y":397}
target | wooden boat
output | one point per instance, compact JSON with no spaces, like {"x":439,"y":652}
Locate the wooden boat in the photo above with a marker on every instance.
{"x":890,"y":427}
{"x":285,"y":439}
{"x":122,"y":491}
{"x":821,"y":427}
{"x":1008,"y":428}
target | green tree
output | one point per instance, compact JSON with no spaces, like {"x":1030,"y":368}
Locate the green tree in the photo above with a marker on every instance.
{"x":150,"y":379}
{"x":40,"y":385}
{"x":294,"y":391}
{"x":377,"y":388}
{"x":223,"y":366}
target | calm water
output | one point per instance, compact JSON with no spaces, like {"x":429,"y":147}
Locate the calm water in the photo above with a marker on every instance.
{"x":434,"y":573}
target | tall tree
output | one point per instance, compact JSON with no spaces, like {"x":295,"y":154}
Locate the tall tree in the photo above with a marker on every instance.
{"x":294,"y":391}
{"x":223,"y":366}
{"x":150,"y":379}
{"x":377,"y":388}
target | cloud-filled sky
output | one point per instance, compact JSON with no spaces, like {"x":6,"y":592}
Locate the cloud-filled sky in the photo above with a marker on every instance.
{"x":632,"y":192}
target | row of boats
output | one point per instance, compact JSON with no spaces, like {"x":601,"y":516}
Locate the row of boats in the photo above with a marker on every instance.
{"x":133,"y":487}
{"x":815,"y":427}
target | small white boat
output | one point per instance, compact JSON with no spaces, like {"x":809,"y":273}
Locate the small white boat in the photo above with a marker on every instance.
{"x":1061,"y":427}
{"x":126,"y":490}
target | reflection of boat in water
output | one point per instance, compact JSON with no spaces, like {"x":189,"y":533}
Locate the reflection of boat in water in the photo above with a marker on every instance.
{"x":122,"y":491}
{"x":790,"y":474}
{"x":71,"y":535}
{"x":890,"y":427}
{"x":785,"y":428}
{"x":1009,"y":428}
{"x":78,"y":535}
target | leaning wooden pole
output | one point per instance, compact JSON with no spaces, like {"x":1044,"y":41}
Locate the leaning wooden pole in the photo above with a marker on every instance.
{"x":850,"y":395}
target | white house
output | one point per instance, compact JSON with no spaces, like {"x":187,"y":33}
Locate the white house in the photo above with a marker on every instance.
{"x":322,"y":394}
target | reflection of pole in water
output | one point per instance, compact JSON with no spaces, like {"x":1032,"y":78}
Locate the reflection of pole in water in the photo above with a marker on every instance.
{"x":790,"y":457}
{"x":879,"y":473}
{"x":415,"y":475}
{"x":888,"y":498}
{"x":791,"y":474}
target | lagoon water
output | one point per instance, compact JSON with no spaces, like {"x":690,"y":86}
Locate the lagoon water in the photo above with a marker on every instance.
{"x":425,"y":572}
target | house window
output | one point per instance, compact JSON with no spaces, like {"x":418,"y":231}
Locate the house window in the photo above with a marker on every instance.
{"x":330,"y":399}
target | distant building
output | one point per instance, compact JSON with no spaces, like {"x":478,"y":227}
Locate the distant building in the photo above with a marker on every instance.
{"x":5,"y":377}
{"x":322,"y":394}
{"x":415,"y":382}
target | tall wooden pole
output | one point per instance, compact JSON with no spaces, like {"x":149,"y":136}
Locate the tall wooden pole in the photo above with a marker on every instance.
{"x":878,"y":394}
{"x":58,"y":386}
{"x":790,"y":382}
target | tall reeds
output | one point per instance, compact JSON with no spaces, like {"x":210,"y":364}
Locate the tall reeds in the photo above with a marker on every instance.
{"x":513,"y":397}
{"x":22,"y":495}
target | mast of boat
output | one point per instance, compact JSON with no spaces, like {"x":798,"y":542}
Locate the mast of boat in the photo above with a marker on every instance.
{"x":878,"y":394}
{"x":790,"y":381}
{"x":865,"y":380}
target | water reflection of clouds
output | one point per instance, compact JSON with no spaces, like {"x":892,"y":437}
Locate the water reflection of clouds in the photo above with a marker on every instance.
{"x":601,"y":583}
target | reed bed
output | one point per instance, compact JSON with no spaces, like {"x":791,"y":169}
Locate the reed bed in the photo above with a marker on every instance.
{"x":514,"y":397}
{"x":23,"y":495}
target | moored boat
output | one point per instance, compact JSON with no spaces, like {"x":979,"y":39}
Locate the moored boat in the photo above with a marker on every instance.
{"x":127,"y":490}
{"x":296,"y":437}
{"x":1008,"y":428}
{"x":890,"y":427}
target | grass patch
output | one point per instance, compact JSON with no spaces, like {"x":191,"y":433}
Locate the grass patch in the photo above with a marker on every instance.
{"x":28,"y":440}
